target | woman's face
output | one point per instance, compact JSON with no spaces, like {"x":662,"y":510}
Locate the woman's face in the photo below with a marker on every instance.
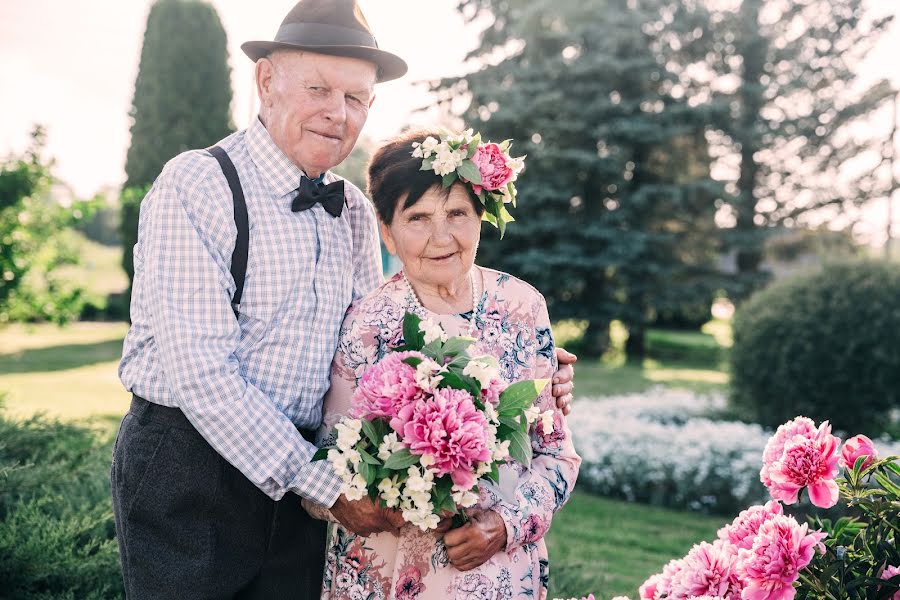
{"x":436,"y":238}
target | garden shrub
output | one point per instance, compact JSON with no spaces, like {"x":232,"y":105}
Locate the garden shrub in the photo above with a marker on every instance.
{"x":57,"y":535}
{"x":823,"y":345}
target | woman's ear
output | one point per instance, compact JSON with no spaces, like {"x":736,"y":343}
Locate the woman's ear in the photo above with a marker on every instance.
{"x":387,"y":238}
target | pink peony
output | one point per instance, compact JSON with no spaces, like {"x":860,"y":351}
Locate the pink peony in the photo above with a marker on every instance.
{"x":782,"y":548}
{"x":888,"y":573}
{"x":855,"y":447}
{"x":807,"y":459}
{"x":775,"y":445}
{"x":669,"y":574}
{"x":647,"y":590}
{"x":708,"y":569}
{"x":493,"y":391}
{"x":449,"y":428}
{"x":386,"y":387}
{"x":746,"y":525}
{"x":491,"y":163}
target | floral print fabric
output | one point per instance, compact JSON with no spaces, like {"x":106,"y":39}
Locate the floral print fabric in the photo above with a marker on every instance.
{"x":511,"y":323}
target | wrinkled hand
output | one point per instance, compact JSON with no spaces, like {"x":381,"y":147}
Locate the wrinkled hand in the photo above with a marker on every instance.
{"x":364,"y":517}
{"x":475,"y":542}
{"x":564,"y":380}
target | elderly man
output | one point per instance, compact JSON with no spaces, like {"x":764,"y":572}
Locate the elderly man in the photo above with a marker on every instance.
{"x":228,"y":378}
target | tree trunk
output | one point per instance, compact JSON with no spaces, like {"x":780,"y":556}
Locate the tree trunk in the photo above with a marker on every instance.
{"x":635,"y":345}
{"x":596,"y":338}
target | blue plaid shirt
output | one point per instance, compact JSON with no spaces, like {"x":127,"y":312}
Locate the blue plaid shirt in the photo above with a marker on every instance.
{"x":246,"y":384}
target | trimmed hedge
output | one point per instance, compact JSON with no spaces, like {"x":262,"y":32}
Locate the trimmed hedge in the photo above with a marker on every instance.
{"x":823,"y":345}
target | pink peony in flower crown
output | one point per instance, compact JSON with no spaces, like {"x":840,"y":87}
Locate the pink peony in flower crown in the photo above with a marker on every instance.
{"x":487,"y":166}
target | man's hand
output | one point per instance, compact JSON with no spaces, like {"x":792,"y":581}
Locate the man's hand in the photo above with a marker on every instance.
{"x":364,"y":517}
{"x":564,"y":380}
{"x":475,"y":542}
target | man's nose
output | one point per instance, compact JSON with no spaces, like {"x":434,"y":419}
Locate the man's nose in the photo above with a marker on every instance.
{"x":336,"y":110}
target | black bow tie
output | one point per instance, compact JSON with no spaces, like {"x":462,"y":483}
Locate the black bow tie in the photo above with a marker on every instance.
{"x":331,"y":196}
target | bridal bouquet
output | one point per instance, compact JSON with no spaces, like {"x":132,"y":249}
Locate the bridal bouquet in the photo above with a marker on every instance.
{"x":428,"y":421}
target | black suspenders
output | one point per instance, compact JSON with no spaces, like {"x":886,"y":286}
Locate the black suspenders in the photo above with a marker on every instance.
{"x":242,"y":244}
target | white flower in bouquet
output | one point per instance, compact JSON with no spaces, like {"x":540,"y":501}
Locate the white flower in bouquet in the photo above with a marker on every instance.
{"x":464,"y":137}
{"x":356,"y":488}
{"x":353,"y":456}
{"x":428,"y":375}
{"x":464,"y":498}
{"x":501,"y":452}
{"x":532,"y":413}
{"x":446,"y":160}
{"x":348,"y":433}
{"x":432,"y":331}
{"x":389,"y":491}
{"x":547,"y":421}
{"x":483,"y":369}
{"x":389,"y":446}
{"x":339,"y":464}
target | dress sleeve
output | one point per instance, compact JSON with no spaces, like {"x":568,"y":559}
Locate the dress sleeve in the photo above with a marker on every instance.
{"x":545,"y":486}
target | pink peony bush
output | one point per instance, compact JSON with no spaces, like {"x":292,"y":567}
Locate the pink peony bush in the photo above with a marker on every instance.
{"x":765,"y":554}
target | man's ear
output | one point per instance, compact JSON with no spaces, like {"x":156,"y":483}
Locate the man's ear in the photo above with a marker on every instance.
{"x":265,"y":75}
{"x":387,"y":238}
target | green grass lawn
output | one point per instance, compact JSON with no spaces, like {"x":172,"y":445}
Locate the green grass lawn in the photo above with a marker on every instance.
{"x":609,"y":548}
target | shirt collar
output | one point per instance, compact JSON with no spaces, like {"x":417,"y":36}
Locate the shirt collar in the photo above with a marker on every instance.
{"x":274,"y":165}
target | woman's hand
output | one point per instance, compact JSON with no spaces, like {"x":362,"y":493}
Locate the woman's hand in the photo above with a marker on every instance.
{"x":475,"y":542}
{"x":564,"y":380}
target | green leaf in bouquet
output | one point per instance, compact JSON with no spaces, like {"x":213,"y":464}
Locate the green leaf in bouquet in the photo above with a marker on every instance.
{"x":504,"y":145}
{"x":401,"y":460}
{"x":413,"y":361}
{"x":520,"y":396}
{"x":517,"y":423}
{"x":468,"y":170}
{"x":412,"y":335}
{"x":520,"y":447}
{"x":456,"y":345}
{"x":369,"y":430}
{"x":448,"y":179}
{"x":473,"y":146}
{"x":368,"y":458}
{"x":427,"y":164}
{"x":455,"y":379}
{"x":368,"y":472}
{"x":486,"y":215}
{"x":321,"y":453}
{"x":494,"y":473}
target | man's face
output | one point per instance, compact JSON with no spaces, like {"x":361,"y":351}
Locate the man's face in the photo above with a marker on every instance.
{"x":315,"y":105}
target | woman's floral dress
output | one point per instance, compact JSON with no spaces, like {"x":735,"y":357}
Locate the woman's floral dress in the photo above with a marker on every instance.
{"x":512,"y":324}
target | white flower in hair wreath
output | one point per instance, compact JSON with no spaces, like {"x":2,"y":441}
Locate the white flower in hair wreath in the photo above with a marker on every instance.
{"x":486,"y":166}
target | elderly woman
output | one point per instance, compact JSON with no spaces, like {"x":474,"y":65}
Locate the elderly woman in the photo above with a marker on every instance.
{"x":434,"y":231}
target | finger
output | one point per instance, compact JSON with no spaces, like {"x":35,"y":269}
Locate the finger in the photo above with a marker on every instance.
{"x":444,"y":526}
{"x":565,"y":357}
{"x":564,"y":403}
{"x":561,"y":389}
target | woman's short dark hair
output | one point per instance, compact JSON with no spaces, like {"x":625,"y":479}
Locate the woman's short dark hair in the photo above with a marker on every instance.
{"x":394,"y":171}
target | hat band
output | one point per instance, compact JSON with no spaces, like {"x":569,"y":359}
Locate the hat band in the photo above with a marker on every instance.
{"x":320,"y":34}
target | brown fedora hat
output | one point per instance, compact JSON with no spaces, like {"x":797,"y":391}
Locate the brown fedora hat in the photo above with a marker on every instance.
{"x":335,"y":27}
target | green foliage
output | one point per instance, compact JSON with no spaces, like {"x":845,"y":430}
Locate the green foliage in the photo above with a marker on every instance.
{"x":615,"y":218}
{"x":57,"y":538}
{"x":182,"y":95}
{"x":859,"y":547}
{"x":821,"y":345}
{"x":31,"y":249}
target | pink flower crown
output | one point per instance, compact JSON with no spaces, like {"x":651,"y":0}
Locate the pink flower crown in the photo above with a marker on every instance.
{"x":487,"y":167}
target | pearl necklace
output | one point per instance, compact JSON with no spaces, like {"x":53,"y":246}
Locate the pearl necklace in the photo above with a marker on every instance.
{"x":470,"y":332}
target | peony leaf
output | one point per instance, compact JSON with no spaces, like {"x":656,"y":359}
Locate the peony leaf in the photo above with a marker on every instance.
{"x":321,"y":453}
{"x":455,"y":345}
{"x":448,"y":179}
{"x":469,"y":171}
{"x":369,"y":430}
{"x":368,"y":458}
{"x":520,"y":396}
{"x":368,"y":472}
{"x":412,"y":335}
{"x":520,"y":447}
{"x":401,"y":460}
{"x":427,"y":164}
{"x":514,"y":423}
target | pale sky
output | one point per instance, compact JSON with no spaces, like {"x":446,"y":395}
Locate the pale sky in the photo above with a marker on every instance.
{"x":71,"y":65}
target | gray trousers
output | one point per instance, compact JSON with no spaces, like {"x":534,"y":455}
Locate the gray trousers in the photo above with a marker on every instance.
{"x":190,"y":525}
